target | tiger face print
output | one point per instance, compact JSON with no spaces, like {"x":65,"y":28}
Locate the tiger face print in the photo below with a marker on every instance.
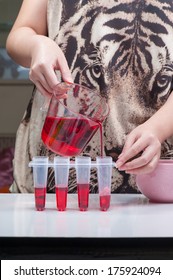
{"x":124,"y":49}
{"x":104,"y":41}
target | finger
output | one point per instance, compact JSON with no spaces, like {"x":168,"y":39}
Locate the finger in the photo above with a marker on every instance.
{"x":42,"y":90}
{"x":65,"y":71}
{"x":47,"y":79}
{"x":132,"y":152}
{"x":142,"y":159}
{"x":50,"y":79}
{"x":130,"y":140}
{"x":146,"y":168}
{"x":61,"y":90}
{"x":47,"y":94}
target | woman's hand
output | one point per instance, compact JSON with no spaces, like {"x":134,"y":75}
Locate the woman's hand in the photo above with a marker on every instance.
{"x":29,"y":46}
{"x":46,"y":57}
{"x":141,"y":151}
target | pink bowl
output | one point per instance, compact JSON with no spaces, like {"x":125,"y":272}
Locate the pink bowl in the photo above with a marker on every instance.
{"x":158,"y":185}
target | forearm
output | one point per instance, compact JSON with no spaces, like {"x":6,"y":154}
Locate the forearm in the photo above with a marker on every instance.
{"x":162,"y":120}
{"x":19,"y":45}
{"x":31,"y":20}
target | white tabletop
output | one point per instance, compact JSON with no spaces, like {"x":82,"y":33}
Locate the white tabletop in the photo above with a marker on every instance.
{"x":130,"y":215}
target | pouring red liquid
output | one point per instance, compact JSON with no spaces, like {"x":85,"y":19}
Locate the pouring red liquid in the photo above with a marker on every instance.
{"x":68,"y":136}
{"x":71,"y":123}
{"x":69,"y":126}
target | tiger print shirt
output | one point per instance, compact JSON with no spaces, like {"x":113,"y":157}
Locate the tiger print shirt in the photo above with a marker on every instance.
{"x":122,"y":48}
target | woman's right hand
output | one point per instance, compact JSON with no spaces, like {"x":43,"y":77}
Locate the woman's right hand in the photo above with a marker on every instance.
{"x":46,"y":58}
{"x":29,"y":46}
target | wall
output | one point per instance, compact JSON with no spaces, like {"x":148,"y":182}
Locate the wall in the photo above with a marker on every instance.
{"x":8,"y":12}
{"x":13,"y":102}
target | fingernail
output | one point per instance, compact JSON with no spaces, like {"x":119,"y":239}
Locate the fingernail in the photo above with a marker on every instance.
{"x":69,"y":80}
{"x":118,"y":163}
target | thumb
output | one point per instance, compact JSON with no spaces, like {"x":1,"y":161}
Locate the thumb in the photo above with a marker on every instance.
{"x":65,"y":71}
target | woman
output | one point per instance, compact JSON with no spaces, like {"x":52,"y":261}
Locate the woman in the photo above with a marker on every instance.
{"x":123,"y":49}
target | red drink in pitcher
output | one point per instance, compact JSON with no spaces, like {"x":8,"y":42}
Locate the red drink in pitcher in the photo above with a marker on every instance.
{"x":68,"y":136}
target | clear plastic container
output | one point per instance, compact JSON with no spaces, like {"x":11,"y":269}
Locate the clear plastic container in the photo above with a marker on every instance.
{"x":83,"y":166}
{"x":61,"y":168}
{"x":40,"y":171}
{"x":104,"y":171}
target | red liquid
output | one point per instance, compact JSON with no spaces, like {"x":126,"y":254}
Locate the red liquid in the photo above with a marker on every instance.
{"x":83,"y":194}
{"x":104,"y":202}
{"x":68,"y":136}
{"x":101,"y":139}
{"x":40,"y":197}
{"x":61,"y":198}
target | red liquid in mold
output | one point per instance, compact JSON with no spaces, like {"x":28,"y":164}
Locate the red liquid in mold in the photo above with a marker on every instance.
{"x":61,"y":198}
{"x":104,"y":202}
{"x":83,"y":194}
{"x":40,"y":197}
{"x":68,"y":136}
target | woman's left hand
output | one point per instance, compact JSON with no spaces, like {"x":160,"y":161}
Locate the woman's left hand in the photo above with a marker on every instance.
{"x":141,"y":151}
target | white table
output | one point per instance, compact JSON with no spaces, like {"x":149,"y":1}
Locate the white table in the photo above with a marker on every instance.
{"x":130,"y":217}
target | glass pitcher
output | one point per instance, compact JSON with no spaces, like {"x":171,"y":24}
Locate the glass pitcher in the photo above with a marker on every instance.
{"x":71,"y":122}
